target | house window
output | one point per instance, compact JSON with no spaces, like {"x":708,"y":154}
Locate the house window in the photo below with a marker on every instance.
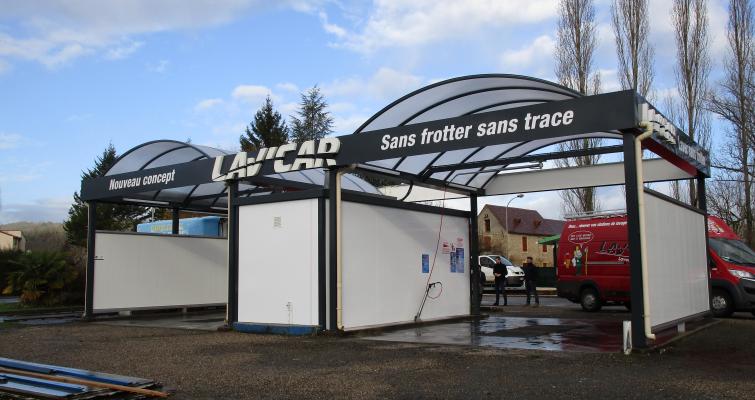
{"x":524,"y":243}
{"x":487,"y":224}
{"x":545,"y":248}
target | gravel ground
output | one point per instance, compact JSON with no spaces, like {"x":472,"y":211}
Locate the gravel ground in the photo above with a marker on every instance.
{"x":715,"y":363}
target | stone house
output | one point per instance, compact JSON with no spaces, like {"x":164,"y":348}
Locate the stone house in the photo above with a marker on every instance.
{"x":525,"y":228}
{"x":12,"y":240}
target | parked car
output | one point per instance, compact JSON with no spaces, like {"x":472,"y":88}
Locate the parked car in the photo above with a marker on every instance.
{"x":605,"y":279}
{"x":514,"y":275}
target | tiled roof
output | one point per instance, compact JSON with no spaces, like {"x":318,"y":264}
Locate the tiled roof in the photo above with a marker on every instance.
{"x":524,"y":221}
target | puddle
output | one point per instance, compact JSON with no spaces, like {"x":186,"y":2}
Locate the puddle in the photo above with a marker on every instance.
{"x":552,"y":334}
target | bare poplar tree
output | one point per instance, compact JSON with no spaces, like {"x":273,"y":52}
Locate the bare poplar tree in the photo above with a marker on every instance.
{"x":733,"y":102}
{"x":574,"y":69}
{"x":635,"y":54}
{"x":690,"y":19}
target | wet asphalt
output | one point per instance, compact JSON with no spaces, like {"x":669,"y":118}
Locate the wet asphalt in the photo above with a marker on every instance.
{"x":715,"y":363}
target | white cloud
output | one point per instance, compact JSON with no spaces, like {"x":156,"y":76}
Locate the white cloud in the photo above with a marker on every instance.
{"x":333,"y":29}
{"x":207,"y":104}
{"x":609,"y":80}
{"x":252,"y":93}
{"x":159,"y":67}
{"x":537,"y":55}
{"x":59,"y":32}
{"x":407,"y":23}
{"x":385,"y":84}
{"x":345,"y":125}
{"x":9,"y":140}
{"x":288,"y":87}
{"x":121,"y":52}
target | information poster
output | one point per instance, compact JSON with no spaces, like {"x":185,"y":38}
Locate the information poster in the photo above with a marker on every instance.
{"x":460,"y":259}
{"x":425,"y":263}
{"x":453,"y":261}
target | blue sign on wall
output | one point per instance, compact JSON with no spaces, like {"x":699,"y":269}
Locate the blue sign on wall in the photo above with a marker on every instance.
{"x":425,"y":263}
{"x":460,"y":259}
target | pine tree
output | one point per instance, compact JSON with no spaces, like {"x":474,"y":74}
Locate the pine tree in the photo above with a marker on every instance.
{"x":109,"y":216}
{"x":312,"y":121}
{"x":267,"y":130}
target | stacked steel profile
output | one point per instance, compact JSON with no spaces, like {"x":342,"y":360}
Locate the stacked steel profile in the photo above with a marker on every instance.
{"x":25,"y":380}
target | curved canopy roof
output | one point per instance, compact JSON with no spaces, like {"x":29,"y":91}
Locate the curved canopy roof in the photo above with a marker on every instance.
{"x":464,"y":96}
{"x":212,"y":195}
{"x":467,"y":163}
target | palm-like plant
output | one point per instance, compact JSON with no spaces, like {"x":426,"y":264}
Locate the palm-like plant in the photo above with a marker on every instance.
{"x":41,"y":277}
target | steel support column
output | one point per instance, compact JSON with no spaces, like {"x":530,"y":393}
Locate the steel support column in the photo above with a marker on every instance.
{"x":232,"y":312}
{"x":91,"y":231}
{"x":332,"y":250}
{"x":702,"y":202}
{"x":635,"y":244}
{"x":474,"y":250}
{"x":322,"y":299}
{"x":174,"y":227}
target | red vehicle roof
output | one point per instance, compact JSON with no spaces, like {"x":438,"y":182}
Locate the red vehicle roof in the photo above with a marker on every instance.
{"x":717,"y":228}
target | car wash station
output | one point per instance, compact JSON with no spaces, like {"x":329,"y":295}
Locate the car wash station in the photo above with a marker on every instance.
{"x":313,"y":244}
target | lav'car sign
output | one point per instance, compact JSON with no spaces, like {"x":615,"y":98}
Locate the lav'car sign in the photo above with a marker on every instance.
{"x":309,"y":154}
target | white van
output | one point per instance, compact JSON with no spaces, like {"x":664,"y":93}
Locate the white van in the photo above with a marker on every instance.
{"x":514,"y":275}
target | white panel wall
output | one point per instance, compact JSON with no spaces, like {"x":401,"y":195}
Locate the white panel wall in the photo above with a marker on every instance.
{"x":383,"y":281}
{"x":135,"y":271}
{"x":677,"y":261}
{"x":278,"y":263}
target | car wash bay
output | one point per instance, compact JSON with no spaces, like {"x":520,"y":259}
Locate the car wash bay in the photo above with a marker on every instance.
{"x":314,"y":245}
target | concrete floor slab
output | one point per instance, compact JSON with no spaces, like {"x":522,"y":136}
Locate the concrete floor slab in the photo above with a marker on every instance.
{"x":203,"y":321}
{"x":552,"y":334}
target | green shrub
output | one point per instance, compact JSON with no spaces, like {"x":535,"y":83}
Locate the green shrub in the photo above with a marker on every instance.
{"x":8,"y":263}
{"x":42,"y":278}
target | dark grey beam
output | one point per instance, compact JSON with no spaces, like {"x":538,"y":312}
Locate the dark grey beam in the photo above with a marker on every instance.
{"x":175,"y":220}
{"x":233,"y":254}
{"x":91,"y":232}
{"x":474,"y":267}
{"x":635,"y":244}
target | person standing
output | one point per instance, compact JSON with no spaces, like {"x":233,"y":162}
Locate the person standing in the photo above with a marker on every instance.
{"x":530,"y":278}
{"x":499,"y":272}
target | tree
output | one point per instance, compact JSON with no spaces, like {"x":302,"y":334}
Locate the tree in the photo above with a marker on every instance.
{"x":267,"y":130}
{"x":574,"y":69}
{"x":41,"y":278}
{"x":312,"y":121}
{"x":690,"y":19}
{"x":635,"y":54}
{"x":731,"y":194}
{"x":109,"y":216}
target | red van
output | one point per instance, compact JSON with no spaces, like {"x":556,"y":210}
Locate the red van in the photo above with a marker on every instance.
{"x":593,"y":265}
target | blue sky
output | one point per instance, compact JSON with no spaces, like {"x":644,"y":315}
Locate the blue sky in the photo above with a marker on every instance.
{"x":76,"y":75}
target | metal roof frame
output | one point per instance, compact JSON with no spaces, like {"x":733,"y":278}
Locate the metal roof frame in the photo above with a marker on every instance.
{"x":465,"y":166}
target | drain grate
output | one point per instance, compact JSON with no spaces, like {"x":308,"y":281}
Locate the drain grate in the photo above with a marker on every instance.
{"x":533,"y":330}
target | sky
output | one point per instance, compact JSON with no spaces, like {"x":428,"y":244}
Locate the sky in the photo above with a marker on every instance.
{"x":77,"y":75}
